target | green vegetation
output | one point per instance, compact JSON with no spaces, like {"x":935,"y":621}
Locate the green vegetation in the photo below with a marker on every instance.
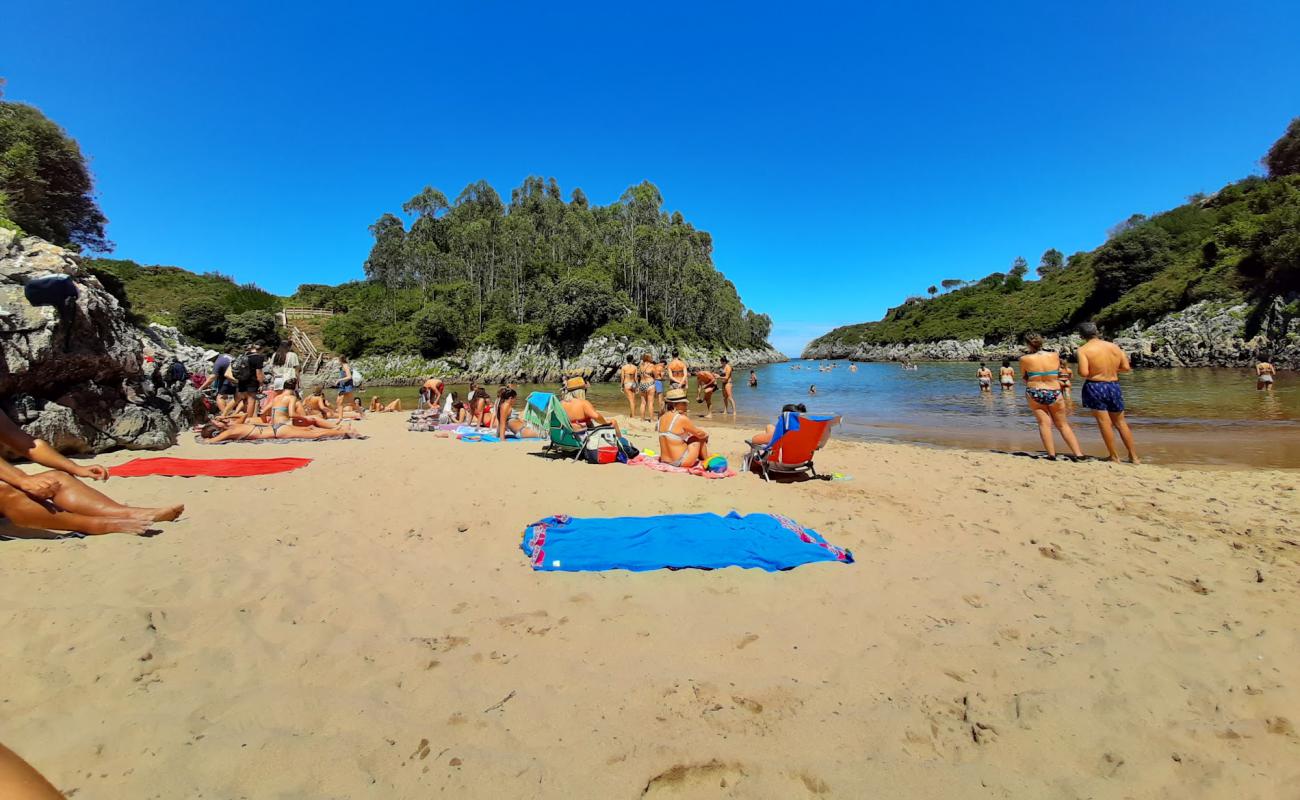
{"x":1241,"y":244}
{"x":479,"y":271}
{"x":45,"y":187}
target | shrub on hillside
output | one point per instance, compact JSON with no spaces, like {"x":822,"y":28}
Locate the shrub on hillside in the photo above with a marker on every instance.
{"x":437,"y":328}
{"x":202,"y":319}
{"x":251,"y":326}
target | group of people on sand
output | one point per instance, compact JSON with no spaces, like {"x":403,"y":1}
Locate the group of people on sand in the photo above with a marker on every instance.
{"x":644,"y":384}
{"x":437,"y":405}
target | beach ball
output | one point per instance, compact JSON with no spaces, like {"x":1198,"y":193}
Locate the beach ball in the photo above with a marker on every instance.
{"x":716,"y":464}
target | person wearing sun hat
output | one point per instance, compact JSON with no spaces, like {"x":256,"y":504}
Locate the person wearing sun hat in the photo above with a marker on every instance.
{"x":681,"y":443}
{"x":580,"y":410}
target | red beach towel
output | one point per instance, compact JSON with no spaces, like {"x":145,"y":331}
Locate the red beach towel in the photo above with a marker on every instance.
{"x":207,"y":467}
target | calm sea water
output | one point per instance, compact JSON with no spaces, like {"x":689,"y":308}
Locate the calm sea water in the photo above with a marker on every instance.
{"x":1198,"y":416}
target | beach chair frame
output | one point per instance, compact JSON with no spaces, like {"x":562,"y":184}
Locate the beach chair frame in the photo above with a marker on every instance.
{"x":760,"y":456}
{"x":561,"y":437}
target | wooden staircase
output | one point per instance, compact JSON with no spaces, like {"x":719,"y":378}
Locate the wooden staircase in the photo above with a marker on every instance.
{"x":313,"y":357}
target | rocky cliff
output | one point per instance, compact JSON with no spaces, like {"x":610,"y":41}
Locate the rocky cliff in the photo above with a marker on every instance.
{"x":1207,"y":334}
{"x":599,"y":360}
{"x":75,"y":377}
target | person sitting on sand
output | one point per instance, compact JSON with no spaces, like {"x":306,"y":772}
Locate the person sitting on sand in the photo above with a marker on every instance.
{"x":316,"y":405}
{"x":1264,"y":374}
{"x":1007,"y":375}
{"x":985,"y":377}
{"x":681,"y":442}
{"x":480,"y":408}
{"x":508,"y":419}
{"x":1100,"y":364}
{"x":1041,"y":371}
{"x":57,"y":500}
{"x":378,"y":406}
{"x":766,"y":436}
{"x":215,"y":432}
{"x":706,"y":383}
{"x":579,"y":409}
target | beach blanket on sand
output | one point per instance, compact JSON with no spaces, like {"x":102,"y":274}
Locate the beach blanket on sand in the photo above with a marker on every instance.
{"x":675,"y":541}
{"x":658,"y":466}
{"x":206,"y":467}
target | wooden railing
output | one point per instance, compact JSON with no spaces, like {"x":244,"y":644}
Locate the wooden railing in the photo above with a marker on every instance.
{"x":307,"y":312}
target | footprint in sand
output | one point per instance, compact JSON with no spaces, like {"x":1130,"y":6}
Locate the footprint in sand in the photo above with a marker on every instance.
{"x":746,"y":641}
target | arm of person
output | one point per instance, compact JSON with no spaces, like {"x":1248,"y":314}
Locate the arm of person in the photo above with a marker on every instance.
{"x":20,"y":781}
{"x":38,"y":486}
{"x":39,"y":451}
{"x":1023,"y":371}
{"x":208,"y":381}
{"x":1085,"y":370}
{"x":692,"y":431}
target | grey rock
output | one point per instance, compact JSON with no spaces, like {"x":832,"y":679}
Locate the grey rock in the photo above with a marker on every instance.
{"x":76,"y":379}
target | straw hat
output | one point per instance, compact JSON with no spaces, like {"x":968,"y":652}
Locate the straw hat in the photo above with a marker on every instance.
{"x":577,"y":382}
{"x":675,"y":396}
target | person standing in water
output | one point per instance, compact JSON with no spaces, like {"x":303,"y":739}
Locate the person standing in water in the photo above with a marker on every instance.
{"x":1264,"y":374}
{"x":645,"y":387}
{"x":812,"y":389}
{"x":677,"y":372}
{"x":1065,"y":375}
{"x":753,"y":379}
{"x":728,"y":399}
{"x":1007,"y":375}
{"x":1100,"y":363}
{"x":985,"y":376}
{"x":1041,"y":371}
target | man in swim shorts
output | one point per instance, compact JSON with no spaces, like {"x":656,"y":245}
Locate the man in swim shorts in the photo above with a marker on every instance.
{"x":431,"y":393}
{"x":1100,"y":363}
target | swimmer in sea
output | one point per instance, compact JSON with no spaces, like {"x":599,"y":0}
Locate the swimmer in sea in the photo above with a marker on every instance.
{"x":812,"y":389}
{"x":1041,"y":371}
{"x":1264,"y":374}
{"x":753,"y":378}
{"x":985,"y":376}
{"x":1007,"y":375}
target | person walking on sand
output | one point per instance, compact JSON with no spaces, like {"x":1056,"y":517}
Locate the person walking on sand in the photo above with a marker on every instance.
{"x":985,"y":376}
{"x":1100,"y":363}
{"x":1264,"y":374}
{"x":728,"y":399}
{"x":1041,"y":371}
{"x":643,"y":381}
{"x":1007,"y":375}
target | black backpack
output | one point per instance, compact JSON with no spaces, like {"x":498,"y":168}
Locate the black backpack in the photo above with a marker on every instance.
{"x":241,"y":370}
{"x":176,"y":372}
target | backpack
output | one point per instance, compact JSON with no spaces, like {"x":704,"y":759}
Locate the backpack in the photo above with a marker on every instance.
{"x":357,"y":377}
{"x":241,"y":370}
{"x":177,"y":373}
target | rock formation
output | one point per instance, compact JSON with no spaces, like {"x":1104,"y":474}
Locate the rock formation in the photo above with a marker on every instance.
{"x":599,"y":360}
{"x":75,"y":377}
{"x":1206,"y":334}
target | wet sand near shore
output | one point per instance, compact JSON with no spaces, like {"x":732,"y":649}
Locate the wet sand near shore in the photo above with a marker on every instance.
{"x":367,"y":627}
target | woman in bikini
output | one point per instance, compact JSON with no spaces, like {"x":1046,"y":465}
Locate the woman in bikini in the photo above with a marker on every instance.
{"x":1007,"y":375}
{"x":1065,"y":375}
{"x":627,"y":375}
{"x":645,"y":388}
{"x":1041,"y":371}
{"x":215,"y":432}
{"x":1264,"y":374}
{"x":728,"y":399}
{"x":316,"y":405}
{"x":508,"y":419}
{"x":681,"y":443}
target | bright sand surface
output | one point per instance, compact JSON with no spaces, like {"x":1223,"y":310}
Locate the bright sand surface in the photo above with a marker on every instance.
{"x":367,"y":627}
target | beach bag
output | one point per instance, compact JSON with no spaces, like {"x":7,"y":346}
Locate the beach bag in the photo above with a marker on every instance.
{"x":357,"y":378}
{"x":241,"y":370}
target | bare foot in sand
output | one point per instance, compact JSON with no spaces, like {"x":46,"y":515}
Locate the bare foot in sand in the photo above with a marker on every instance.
{"x":135,"y":527}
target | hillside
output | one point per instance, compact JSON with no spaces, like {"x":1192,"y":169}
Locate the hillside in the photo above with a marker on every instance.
{"x":157,"y":293}
{"x":1240,"y":245}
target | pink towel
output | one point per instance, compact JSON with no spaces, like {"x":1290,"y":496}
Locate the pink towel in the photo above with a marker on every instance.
{"x":659,"y":466}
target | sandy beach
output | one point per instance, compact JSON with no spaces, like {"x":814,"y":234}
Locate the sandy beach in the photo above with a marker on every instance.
{"x":367,"y":627}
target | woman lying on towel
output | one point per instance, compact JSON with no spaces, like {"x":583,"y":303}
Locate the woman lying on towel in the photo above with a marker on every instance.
{"x":378,"y":405}
{"x":766,"y":436}
{"x":57,"y":500}
{"x":681,"y":443}
{"x":508,"y":419}
{"x":217,"y":431}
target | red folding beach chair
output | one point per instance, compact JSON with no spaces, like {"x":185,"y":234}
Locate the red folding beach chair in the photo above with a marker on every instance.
{"x":795,"y":441}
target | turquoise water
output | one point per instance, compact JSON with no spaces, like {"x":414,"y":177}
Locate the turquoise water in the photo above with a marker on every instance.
{"x":1189,"y":416}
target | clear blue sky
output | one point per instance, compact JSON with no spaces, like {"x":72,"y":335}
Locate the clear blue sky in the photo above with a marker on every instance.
{"x":842,"y":157}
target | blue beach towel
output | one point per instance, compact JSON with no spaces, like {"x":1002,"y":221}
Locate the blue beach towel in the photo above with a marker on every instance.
{"x":675,"y":541}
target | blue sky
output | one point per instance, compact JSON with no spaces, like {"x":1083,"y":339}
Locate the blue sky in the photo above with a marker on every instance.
{"x":843,"y":157}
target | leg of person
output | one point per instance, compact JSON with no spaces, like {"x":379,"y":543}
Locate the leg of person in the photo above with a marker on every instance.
{"x":25,"y":512}
{"x":20,"y":780}
{"x":1044,"y":419}
{"x":708,"y":403}
{"x":1107,"y":433}
{"x":692,"y":455}
{"x":1127,"y":435}
{"x":728,"y":400}
{"x":79,"y":498}
{"x":1061,"y":419}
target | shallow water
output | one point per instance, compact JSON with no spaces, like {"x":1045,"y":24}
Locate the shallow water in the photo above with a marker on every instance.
{"x":1188,"y":416}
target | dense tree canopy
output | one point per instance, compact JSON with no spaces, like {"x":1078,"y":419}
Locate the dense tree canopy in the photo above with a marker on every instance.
{"x":1283,"y":157}
{"x":483,"y":271}
{"x":45,"y":186}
